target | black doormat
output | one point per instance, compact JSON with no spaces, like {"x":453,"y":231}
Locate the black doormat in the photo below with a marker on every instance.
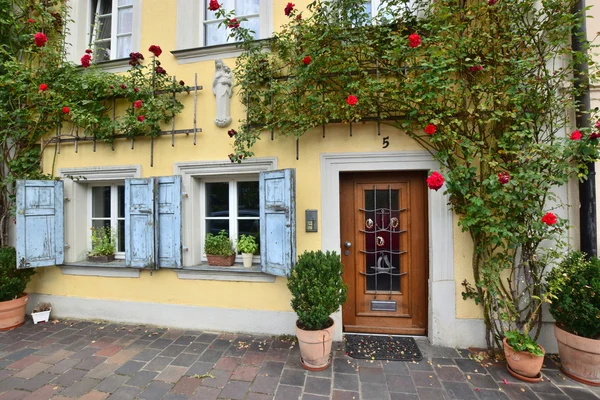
{"x":382,"y":348}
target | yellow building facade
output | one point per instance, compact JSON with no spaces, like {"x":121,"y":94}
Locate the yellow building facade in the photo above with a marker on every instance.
{"x":336,"y":176}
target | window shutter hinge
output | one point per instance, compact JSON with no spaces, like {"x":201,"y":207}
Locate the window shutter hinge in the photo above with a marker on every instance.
{"x":67,"y":199}
{"x":185,"y":248}
{"x":67,"y":246}
{"x":184,"y":194}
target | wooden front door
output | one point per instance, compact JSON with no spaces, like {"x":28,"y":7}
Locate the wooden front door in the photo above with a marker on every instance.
{"x":385,"y":251}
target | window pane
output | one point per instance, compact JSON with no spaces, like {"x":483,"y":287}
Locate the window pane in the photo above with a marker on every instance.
{"x":252,"y":24}
{"x":103,"y":28}
{"x":225,"y":4}
{"x":249,"y":227}
{"x":102,"y":51}
{"x":217,"y":199}
{"x":105,"y":7}
{"x":102,"y":223}
{"x":121,"y":235}
{"x":101,"y":202}
{"x":123,"y":46}
{"x":245,"y":7}
{"x":121,"y":201}
{"x":125,"y":20}
{"x":248,"y":199}
{"x":125,"y":2}
{"x":215,"y":35}
{"x":215,"y":226}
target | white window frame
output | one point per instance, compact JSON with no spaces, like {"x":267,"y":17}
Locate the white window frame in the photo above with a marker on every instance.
{"x":78,"y":33}
{"x":114,"y":211}
{"x":114,"y":26}
{"x":193,"y":173}
{"x":78,"y":203}
{"x":233,"y":209}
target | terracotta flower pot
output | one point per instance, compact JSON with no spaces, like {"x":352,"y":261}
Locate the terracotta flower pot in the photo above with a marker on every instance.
{"x":579,"y":357}
{"x":523,"y":362}
{"x":315,"y":347}
{"x":12,"y":312}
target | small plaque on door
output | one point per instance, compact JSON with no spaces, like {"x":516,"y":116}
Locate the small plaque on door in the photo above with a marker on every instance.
{"x":383,"y":305}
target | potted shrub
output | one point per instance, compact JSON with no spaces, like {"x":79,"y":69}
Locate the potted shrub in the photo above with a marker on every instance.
{"x":247,"y":246}
{"x":318,"y":291}
{"x":103,"y":245}
{"x":575,"y":285}
{"x":12,"y":286}
{"x":219,"y":249}
{"x":41,"y":312}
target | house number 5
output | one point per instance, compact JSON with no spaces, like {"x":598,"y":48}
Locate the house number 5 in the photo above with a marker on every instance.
{"x":386,"y":142}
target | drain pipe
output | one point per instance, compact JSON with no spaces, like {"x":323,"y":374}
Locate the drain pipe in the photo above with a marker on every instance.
{"x":587,"y":189}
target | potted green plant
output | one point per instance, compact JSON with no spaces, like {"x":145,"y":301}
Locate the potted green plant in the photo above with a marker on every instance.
{"x":524,"y":355}
{"x":247,"y":246}
{"x":41,"y":312}
{"x":219,"y":249}
{"x":575,"y":306}
{"x":103,"y":245}
{"x":12,"y":286}
{"x":318,"y":291}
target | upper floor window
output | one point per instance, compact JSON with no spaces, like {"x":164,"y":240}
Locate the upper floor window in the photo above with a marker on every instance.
{"x":253,"y":11}
{"x":107,"y":204}
{"x":111,"y":30}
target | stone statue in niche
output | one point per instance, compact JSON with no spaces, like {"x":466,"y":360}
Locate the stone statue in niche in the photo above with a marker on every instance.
{"x":223,"y":89}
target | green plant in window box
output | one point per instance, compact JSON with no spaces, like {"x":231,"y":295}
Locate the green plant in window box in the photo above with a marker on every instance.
{"x":219,"y":249}
{"x":103,"y":245}
{"x":247,"y":246}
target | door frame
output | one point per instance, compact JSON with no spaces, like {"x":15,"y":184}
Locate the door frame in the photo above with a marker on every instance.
{"x":441,"y":284}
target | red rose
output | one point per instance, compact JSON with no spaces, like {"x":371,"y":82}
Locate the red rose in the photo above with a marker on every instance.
{"x":298,"y":17}
{"x":156,"y":50}
{"x":430,"y":129}
{"x":111,"y":87}
{"x":135,"y":58}
{"x":182,"y":83}
{"x":594,"y":136}
{"x":86,"y":60}
{"x":43,"y":87}
{"x":306,"y":60}
{"x":492,"y":2}
{"x":136,"y":89}
{"x":414,"y":40}
{"x":435,"y":180}
{"x":288,"y":9}
{"x":89,"y":51}
{"x":598,"y":124}
{"x":503,"y":177}
{"x":123,"y":86}
{"x":31,"y":21}
{"x":352,"y":100}
{"x":233,"y":23}
{"x":549,"y":218}
{"x":213,"y":5}
{"x":231,"y":133}
{"x":576,"y":135}
{"x":140,"y":118}
{"x":231,"y":157}
{"x":40,"y":39}
{"x":66,"y":110}
{"x":476,"y":68}
{"x":137,"y":104}
{"x":160,"y":70}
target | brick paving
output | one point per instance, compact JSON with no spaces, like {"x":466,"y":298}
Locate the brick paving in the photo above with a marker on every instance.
{"x":96,"y":361}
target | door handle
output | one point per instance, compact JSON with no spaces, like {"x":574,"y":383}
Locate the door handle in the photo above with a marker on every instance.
{"x":348,"y":244}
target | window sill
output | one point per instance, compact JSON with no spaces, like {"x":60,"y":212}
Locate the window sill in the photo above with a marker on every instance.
{"x":237,"y":273}
{"x":208,"y":53}
{"x":114,"y":66}
{"x":114,"y":269}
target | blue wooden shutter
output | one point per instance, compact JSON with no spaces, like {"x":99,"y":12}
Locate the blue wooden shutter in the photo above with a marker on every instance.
{"x":139,"y":223}
{"x":168,"y":222}
{"x":40,"y":225}
{"x":277,"y":221}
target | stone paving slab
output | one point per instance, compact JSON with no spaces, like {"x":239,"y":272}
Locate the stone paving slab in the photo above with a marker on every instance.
{"x":86,"y":360}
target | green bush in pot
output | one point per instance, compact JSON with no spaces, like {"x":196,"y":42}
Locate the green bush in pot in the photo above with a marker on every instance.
{"x":318,"y":291}
{"x":575,"y":285}
{"x":218,"y":244}
{"x":12,"y":280}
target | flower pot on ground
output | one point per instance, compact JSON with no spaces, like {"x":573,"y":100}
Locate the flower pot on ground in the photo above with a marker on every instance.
{"x":523,"y":355}
{"x":318,"y":291}
{"x":41,"y":313}
{"x":247,"y":246}
{"x":219,"y":249}
{"x":103,"y":245}
{"x":12,"y":286}
{"x":575,"y":284}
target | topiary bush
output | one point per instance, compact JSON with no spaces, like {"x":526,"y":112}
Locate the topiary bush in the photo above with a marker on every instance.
{"x":575,"y":286}
{"x":12,"y":280}
{"x":317,"y":288}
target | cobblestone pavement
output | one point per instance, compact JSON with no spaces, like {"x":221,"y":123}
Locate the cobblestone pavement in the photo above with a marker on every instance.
{"x":86,"y":360}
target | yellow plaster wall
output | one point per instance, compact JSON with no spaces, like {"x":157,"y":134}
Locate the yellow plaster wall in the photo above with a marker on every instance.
{"x":213,"y":143}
